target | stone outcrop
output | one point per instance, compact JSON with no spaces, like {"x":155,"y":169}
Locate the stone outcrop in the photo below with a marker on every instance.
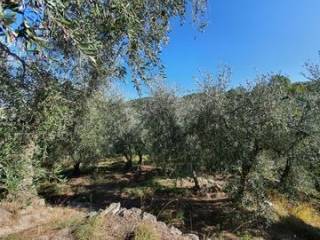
{"x":122,"y":223}
{"x":115,"y":222}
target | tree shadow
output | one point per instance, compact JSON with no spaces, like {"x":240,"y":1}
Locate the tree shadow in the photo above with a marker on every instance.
{"x":111,"y":183}
{"x":106,"y":186}
{"x":181,"y":207}
{"x":290,"y":227}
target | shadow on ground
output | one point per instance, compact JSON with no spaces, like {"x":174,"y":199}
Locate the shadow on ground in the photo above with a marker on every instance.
{"x":205,"y":215}
{"x":297,"y":228}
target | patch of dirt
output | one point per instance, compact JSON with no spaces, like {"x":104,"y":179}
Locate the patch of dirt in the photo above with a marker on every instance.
{"x":34,"y":218}
{"x":173,"y":201}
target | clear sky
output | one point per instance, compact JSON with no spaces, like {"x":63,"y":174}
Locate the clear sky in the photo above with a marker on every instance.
{"x":251,"y":36}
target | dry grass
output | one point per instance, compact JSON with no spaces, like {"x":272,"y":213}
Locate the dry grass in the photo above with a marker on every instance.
{"x":11,"y":206}
{"x":146,"y":231}
{"x":303,"y":211}
{"x":94,"y":228}
{"x":307,"y":213}
{"x":39,"y":221}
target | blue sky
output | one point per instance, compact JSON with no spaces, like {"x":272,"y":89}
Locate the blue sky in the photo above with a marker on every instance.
{"x":251,"y":36}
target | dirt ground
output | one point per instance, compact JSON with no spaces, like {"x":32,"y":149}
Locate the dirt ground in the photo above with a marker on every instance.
{"x":209,"y":213}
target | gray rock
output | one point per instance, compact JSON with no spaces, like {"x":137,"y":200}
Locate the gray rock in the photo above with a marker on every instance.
{"x":192,"y":236}
{"x":175,"y":231}
{"x":40,"y":202}
{"x":162,"y":225}
{"x":92,"y":214}
{"x":149,"y":217}
{"x":124,"y":213}
{"x":113,"y":209}
{"x":136,"y":211}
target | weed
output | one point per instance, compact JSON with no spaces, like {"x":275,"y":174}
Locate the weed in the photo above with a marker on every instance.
{"x":146,"y":231}
{"x":93,"y":228}
{"x":246,"y":236}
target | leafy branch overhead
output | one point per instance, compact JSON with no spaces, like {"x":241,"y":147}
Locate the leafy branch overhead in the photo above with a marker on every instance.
{"x":121,"y":32}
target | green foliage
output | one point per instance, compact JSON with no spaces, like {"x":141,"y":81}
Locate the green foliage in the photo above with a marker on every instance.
{"x":164,"y":131}
{"x":54,"y":66}
{"x":265,"y":135}
{"x":100,"y":37}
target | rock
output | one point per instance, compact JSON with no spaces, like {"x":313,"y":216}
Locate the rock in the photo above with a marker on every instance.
{"x":92,"y":214}
{"x":121,"y":222}
{"x":162,"y":224}
{"x":175,"y":231}
{"x":137,"y":212}
{"x":113,"y":209}
{"x":149,"y":217}
{"x":192,"y":236}
{"x":39,"y":202}
{"x":5,"y":216}
{"x":123,"y":212}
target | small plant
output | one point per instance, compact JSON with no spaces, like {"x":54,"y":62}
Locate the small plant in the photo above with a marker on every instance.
{"x":92,"y":229}
{"x":146,"y":231}
{"x":246,"y":236}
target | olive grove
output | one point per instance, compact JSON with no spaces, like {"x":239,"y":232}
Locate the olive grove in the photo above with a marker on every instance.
{"x":58,"y":60}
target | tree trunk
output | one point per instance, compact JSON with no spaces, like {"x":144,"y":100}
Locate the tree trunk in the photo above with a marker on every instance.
{"x":245,"y":170}
{"x":285,"y":174}
{"x":140,"y":159}
{"x":317,"y":184}
{"x":76,"y":169}
{"x":129,"y":163}
{"x":246,"y":167}
{"x":26,"y":189}
{"x":195,"y":179}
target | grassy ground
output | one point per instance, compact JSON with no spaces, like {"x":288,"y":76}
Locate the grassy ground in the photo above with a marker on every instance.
{"x":209,"y":214}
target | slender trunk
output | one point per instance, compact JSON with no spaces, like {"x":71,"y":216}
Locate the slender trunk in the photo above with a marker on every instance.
{"x":128,"y":164}
{"x":26,"y":189}
{"x":140,"y":159}
{"x":317,"y":184}
{"x":195,"y":179}
{"x":285,"y":174}
{"x":245,"y":170}
{"x":140,"y":162}
{"x":76,"y":169}
{"x":246,"y":167}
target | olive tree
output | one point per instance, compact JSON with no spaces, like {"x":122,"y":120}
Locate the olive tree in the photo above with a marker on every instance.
{"x":84,"y":43}
{"x":165,"y":136}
